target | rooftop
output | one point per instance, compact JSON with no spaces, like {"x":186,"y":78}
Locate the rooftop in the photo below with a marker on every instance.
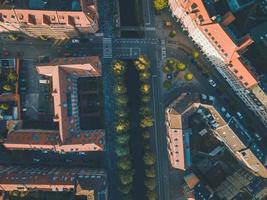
{"x":60,"y":5}
{"x":64,"y":74}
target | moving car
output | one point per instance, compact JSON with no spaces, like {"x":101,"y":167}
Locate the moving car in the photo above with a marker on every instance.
{"x":212,"y":83}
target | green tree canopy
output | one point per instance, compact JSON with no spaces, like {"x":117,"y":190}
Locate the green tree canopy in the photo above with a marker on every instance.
{"x":12,"y":77}
{"x":146,"y":98}
{"x":145,"y":88}
{"x":151,"y":195}
{"x":160,"y":4}
{"x":147,"y":122}
{"x":126,"y":177}
{"x":4,"y":106}
{"x":167,"y":69}
{"x":149,"y":158}
{"x":188,"y":76}
{"x":150,"y":172}
{"x":145,"y":111}
{"x":146,"y":135}
{"x":167,"y":84}
{"x":122,"y":151}
{"x":121,"y":126}
{"x":118,"y":67}
{"x":125,"y":189}
{"x":7,"y":87}
{"x":122,"y":138}
{"x":144,"y":76}
{"x":120,"y":89}
{"x":142,"y":63}
{"x":122,"y":100}
{"x":150,"y":183}
{"x":195,"y":54}
{"x":124,"y":164}
{"x":180,"y":66}
{"x":121,"y":113}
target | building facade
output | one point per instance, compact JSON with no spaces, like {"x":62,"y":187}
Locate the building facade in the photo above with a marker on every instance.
{"x":70,"y":137}
{"x":237,"y":140}
{"x":48,"y":18}
{"x":209,"y":32}
{"x":18,"y":178}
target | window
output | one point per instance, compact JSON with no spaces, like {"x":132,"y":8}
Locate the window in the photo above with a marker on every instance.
{"x":226,"y":55}
{"x":222,"y":50}
{"x":176,"y":145}
{"x":235,"y":71}
{"x":209,"y":34}
{"x":206,"y":30}
{"x":212,"y":38}
{"x":241,"y":77}
{"x":219,"y":46}
{"x":193,"y":6}
{"x":13,"y":16}
{"x":246,"y":84}
{"x":177,"y":160}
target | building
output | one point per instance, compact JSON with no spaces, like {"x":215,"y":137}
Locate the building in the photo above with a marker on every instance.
{"x":65,"y":74}
{"x":48,"y":18}
{"x":196,"y":190}
{"x":225,"y":128}
{"x":81,"y":181}
{"x":210,"y":31}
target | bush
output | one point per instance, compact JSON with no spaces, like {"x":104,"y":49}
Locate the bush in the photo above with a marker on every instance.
{"x":160,"y":4}
{"x":180,"y":66}
{"x":149,"y":158}
{"x":147,"y":122}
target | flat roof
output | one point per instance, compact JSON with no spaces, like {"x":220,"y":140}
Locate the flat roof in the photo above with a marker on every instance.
{"x":60,"y":5}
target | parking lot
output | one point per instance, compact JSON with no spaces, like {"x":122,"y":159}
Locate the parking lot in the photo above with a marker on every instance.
{"x":35,"y":96}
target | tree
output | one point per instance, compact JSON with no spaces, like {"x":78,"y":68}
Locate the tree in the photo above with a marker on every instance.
{"x":150,"y":172}
{"x":7,"y":87}
{"x":122,"y":139}
{"x":120,"y":88}
{"x":145,"y":88}
{"x":121,"y":126}
{"x":124,"y":164}
{"x":121,"y":150}
{"x":150,"y":183}
{"x":151,"y":195}
{"x":126,"y":177}
{"x":146,"y":99}
{"x":160,"y":4}
{"x":188,"y":76}
{"x":4,"y":106}
{"x":144,"y":76}
{"x":149,"y":158}
{"x":142,"y":63}
{"x":118,"y":67}
{"x":12,"y":77}
{"x":145,"y":110}
{"x":180,"y":66}
{"x":147,"y":122}
{"x":167,"y":69}
{"x":167,"y":84}
{"x":195,"y":55}
{"x":146,"y":135}
{"x":121,"y":113}
{"x":121,"y":100}
{"x":172,"y":33}
{"x":125,"y":189}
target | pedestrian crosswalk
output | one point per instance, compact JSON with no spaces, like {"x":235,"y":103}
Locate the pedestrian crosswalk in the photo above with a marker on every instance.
{"x":107,"y":47}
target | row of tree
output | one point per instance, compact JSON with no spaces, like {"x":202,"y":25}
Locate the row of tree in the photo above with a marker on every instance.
{"x":124,"y":162}
{"x":142,"y":64}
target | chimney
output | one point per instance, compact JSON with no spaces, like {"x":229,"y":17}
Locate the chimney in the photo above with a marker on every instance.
{"x":228,"y":18}
{"x":245,"y":41}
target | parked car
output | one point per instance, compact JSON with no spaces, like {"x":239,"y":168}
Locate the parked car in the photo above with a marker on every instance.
{"x":240,"y":116}
{"x":258,"y":137}
{"x":223,"y":109}
{"x":212,"y":83}
{"x":75,"y":41}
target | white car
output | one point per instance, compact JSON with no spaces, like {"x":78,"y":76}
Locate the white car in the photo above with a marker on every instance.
{"x":212,"y":83}
{"x":258,"y":136}
{"x":239,"y":115}
{"x":75,"y":41}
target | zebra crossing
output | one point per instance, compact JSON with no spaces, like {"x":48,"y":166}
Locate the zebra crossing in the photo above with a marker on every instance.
{"x":107,"y":47}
